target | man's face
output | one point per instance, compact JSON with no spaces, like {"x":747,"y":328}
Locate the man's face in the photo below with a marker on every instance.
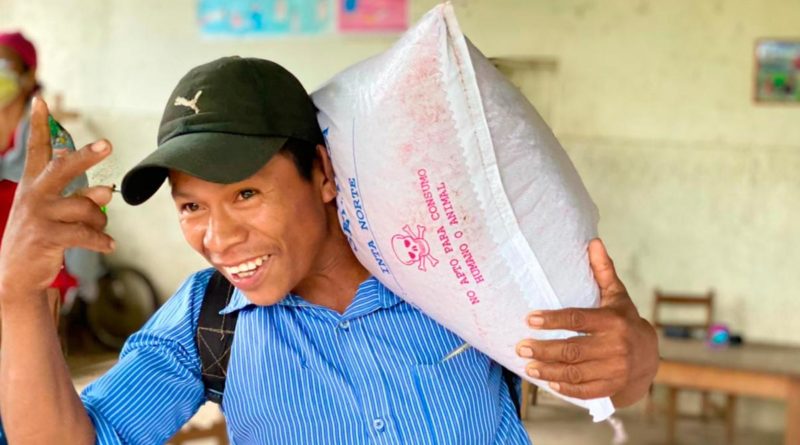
{"x":263,"y":233}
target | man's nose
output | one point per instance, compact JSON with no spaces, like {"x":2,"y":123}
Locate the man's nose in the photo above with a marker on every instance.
{"x":223,"y":231}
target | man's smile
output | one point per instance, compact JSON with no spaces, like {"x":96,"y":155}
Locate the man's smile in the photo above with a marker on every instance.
{"x":243,"y":273}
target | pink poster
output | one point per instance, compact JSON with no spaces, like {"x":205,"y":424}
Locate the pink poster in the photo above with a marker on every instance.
{"x":373,"y":15}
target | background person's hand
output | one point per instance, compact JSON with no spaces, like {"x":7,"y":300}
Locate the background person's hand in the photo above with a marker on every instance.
{"x":43,"y":223}
{"x":619,"y":355}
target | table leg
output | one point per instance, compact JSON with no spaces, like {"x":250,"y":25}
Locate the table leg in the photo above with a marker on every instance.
{"x":707,"y":410}
{"x":793,"y":414}
{"x":672,"y":413}
{"x":525,"y":399}
{"x":730,"y":418}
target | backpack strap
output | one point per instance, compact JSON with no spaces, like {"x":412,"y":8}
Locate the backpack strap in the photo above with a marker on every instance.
{"x":215,"y":336}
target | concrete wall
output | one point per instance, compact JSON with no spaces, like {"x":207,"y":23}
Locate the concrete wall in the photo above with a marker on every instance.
{"x":697,"y":186}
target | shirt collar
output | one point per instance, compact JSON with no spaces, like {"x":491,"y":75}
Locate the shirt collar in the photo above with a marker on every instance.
{"x":371,"y":295}
{"x":238,"y":301}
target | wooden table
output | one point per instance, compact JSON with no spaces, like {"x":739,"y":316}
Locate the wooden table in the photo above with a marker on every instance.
{"x":757,"y":370}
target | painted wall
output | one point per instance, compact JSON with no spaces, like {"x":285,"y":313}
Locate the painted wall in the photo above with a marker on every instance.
{"x":697,"y":186}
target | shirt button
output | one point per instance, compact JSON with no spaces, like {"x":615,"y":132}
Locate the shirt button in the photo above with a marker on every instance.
{"x":345,"y":325}
{"x":378,"y":424}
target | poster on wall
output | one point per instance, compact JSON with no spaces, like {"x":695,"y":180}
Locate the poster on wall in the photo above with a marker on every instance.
{"x":265,"y":18}
{"x":777,"y":78}
{"x":373,"y":15}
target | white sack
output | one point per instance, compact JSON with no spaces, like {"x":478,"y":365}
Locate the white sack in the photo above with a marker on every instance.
{"x":455,"y":194}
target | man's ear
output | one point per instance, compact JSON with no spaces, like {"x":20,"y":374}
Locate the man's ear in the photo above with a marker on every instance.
{"x":328,"y":185}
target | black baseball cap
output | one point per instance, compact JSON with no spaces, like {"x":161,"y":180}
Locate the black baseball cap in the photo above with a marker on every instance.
{"x":223,"y":122}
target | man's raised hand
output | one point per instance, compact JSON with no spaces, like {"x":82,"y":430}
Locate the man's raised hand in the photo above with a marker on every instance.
{"x":43,"y":223}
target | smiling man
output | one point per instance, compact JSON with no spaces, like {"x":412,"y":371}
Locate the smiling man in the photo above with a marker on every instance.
{"x":322,"y":352}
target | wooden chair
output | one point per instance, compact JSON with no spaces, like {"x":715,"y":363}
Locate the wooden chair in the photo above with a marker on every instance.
{"x":704,"y":302}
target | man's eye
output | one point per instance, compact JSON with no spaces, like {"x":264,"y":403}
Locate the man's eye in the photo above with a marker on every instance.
{"x":247,"y":193}
{"x":190,"y":207}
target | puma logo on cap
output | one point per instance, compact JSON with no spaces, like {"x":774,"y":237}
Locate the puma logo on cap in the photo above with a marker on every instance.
{"x":184,"y":102}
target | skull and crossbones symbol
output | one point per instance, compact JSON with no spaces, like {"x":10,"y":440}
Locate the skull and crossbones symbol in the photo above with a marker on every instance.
{"x":412,"y":248}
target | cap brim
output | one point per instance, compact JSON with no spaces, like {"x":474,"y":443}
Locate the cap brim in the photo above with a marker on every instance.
{"x":222,"y":158}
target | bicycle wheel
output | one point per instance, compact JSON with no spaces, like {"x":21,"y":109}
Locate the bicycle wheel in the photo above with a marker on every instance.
{"x":126,"y":300}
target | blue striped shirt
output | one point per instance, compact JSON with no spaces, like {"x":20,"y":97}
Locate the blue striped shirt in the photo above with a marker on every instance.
{"x":302,"y":374}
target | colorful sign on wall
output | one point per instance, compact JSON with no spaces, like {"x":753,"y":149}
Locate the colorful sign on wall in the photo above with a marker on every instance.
{"x":777,"y":71}
{"x":270,"y":18}
{"x":265,"y":17}
{"x":373,"y":15}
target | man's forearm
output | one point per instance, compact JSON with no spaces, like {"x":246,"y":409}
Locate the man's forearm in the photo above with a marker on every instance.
{"x":37,"y":397}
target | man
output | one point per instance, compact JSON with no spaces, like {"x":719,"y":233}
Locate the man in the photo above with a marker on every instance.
{"x":323,"y":353}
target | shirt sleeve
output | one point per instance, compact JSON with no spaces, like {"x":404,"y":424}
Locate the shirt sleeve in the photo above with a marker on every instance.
{"x":156,"y":386}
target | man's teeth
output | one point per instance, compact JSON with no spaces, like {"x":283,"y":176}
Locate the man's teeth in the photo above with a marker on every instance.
{"x":247,"y":268}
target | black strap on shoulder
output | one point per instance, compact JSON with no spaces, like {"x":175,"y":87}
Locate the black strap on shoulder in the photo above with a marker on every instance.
{"x":215,"y":336}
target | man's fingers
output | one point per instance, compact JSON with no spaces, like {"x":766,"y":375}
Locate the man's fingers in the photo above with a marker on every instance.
{"x":603,"y":267}
{"x":82,"y":235}
{"x":573,"y":319}
{"x":577,"y":373}
{"x":78,"y":209}
{"x":589,"y":390}
{"x":100,"y":194}
{"x":39,"y":150}
{"x":62,"y":170}
{"x":572,"y":350}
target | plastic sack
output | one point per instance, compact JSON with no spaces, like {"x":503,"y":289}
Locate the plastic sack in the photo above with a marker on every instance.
{"x":455,"y":194}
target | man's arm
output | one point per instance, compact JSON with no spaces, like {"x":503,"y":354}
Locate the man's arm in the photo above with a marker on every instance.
{"x":618,"y":357}
{"x":156,"y":386}
{"x":38,"y":401}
